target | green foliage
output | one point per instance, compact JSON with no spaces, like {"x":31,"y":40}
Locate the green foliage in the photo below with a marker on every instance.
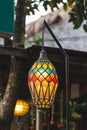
{"x":31,"y":6}
{"x":72,"y":126}
{"x":51,"y":4}
{"x":38,"y":39}
{"x":85,"y":27}
{"x":65,"y":6}
{"x":77,"y":105}
{"x":78,"y":14}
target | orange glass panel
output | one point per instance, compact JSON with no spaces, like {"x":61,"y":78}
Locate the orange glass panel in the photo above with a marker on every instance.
{"x":41,"y":78}
{"x":52,"y":75}
{"x":48,"y":78}
{"x":30,"y":75}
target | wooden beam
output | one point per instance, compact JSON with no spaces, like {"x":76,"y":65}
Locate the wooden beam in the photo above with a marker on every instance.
{"x":9,"y":51}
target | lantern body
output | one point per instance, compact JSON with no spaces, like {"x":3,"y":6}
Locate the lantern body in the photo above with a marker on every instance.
{"x":43,"y":83}
{"x":21,"y":108}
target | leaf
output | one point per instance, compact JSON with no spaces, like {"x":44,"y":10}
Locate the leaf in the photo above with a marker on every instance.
{"x":51,"y":5}
{"x":45,"y":5}
{"x":77,"y":25}
{"x":65,"y":6}
{"x":85,"y":27}
{"x":71,"y":6}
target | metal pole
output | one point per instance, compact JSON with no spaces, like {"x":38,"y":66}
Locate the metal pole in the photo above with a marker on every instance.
{"x":66,"y":73}
{"x":39,"y":119}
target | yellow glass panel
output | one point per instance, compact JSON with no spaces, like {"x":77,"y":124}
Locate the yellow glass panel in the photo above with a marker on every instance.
{"x":41,"y":93}
{"x":50,"y":66}
{"x":37,"y":84}
{"x":56,"y":86}
{"x":31,"y":88}
{"x":51,"y":84}
{"x":31,"y":84}
{"x":37,"y":74}
{"x":38,"y":65}
{"x":34,"y":65}
{"x":45,"y":84}
{"x":36,"y":92}
{"x":44,"y":66}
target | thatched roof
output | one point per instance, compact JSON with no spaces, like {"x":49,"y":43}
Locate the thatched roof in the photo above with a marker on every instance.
{"x":63,"y":30}
{"x":51,"y":18}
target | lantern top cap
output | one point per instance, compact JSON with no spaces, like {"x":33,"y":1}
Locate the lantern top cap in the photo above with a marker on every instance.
{"x":43,"y":55}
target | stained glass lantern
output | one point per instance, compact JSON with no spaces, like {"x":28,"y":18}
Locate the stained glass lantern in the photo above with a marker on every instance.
{"x":43,"y":82}
{"x":21,"y":108}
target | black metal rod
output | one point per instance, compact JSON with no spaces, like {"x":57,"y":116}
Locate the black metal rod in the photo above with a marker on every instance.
{"x":43,"y":37}
{"x":66,"y":73}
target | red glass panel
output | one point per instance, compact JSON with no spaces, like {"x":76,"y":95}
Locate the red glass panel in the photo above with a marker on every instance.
{"x":34,"y":78}
{"x":55,"y":80}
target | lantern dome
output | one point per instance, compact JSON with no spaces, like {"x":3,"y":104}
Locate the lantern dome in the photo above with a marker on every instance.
{"x":43,"y":82}
{"x":21,"y":108}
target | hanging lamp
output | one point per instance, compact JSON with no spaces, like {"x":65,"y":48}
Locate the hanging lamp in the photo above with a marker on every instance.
{"x":43,"y":80}
{"x":21,"y":108}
